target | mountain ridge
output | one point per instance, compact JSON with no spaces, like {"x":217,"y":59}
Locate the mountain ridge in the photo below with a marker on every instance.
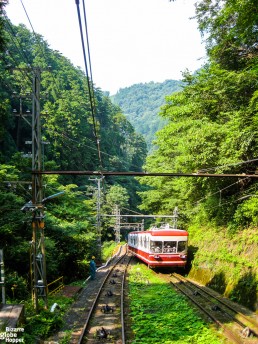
{"x":141,"y":104}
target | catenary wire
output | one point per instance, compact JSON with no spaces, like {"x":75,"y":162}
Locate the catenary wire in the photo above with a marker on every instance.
{"x":41,"y":48}
{"x":90,"y":88}
{"x":91,"y":76}
{"x":135,"y":212}
{"x":229,"y":165}
{"x":85,"y":145}
{"x":220,"y":190}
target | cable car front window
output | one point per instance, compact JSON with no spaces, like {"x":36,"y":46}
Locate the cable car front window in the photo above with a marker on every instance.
{"x":156,"y":246}
{"x":170,"y":247}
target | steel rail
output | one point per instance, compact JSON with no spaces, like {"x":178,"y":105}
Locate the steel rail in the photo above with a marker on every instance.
{"x":203,"y":293}
{"x":216,"y":321}
{"x":86,"y":324}
{"x":122,"y":300}
{"x":242,"y":317}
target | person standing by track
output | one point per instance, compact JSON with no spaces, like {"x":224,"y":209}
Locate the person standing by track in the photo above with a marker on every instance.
{"x":92,"y":268}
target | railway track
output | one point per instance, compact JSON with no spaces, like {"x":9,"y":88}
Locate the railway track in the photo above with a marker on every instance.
{"x":105,"y":321}
{"x":236,"y":326}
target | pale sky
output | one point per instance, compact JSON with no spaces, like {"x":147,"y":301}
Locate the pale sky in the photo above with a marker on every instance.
{"x":131,"y":41}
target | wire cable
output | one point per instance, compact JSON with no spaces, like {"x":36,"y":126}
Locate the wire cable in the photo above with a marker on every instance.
{"x":234,"y":164}
{"x":220,"y":190}
{"x":90,"y":87}
{"x":85,"y":145}
{"x":135,"y":212}
{"x":19,"y":48}
{"x":41,"y":48}
{"x":88,"y":47}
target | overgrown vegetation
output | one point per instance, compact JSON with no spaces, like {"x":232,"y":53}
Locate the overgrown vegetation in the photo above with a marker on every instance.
{"x":160,"y":315}
{"x":42,"y":325}
{"x":68,"y":131}
{"x":228,"y":264}
{"x":212,"y":128}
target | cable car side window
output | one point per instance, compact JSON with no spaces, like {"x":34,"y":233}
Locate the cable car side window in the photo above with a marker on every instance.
{"x":156,"y":246}
{"x":148,"y":243}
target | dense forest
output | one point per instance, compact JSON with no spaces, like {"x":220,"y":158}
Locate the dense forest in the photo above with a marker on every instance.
{"x":141,"y":105}
{"x":212,"y":128}
{"x":69,"y":143}
{"x":210,"y":125}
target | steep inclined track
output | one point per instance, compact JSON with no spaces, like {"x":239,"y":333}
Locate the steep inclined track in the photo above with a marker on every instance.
{"x":237,"y":327}
{"x":97,"y":316}
{"x":90,"y":312}
{"x":106,"y":318}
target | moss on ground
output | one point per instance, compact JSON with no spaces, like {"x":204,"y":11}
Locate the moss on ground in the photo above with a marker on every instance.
{"x":226,"y":262}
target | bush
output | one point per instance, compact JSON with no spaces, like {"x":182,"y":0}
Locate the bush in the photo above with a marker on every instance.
{"x":16,"y":286}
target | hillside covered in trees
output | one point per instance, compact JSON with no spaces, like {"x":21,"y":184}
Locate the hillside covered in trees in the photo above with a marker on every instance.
{"x":210,"y":125}
{"x":141,"y":105}
{"x":68,"y":144}
{"x":212,"y":128}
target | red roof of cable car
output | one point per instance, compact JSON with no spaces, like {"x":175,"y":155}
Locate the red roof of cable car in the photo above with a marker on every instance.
{"x":164,"y":232}
{"x":168,"y":232}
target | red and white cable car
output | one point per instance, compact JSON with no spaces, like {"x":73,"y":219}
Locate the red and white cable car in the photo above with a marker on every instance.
{"x":160,"y":247}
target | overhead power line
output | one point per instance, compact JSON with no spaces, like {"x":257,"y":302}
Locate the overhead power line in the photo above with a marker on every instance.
{"x":89,"y":77}
{"x":220,"y":190}
{"x":203,"y":170}
{"x":42,"y":48}
{"x":149,"y":174}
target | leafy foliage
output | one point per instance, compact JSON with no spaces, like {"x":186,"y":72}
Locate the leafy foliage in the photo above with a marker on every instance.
{"x":231,"y":31}
{"x":46,"y":323}
{"x":210,"y":125}
{"x":3,"y":3}
{"x":69,"y":143}
{"x":141,"y":104}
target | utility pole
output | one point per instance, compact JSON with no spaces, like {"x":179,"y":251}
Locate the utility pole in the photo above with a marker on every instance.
{"x":117,"y":225}
{"x":2,"y":276}
{"x":37,"y":253}
{"x":20,"y":115}
{"x":98,"y":214}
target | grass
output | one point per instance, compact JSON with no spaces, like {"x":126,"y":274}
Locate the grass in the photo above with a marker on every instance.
{"x":160,"y":316}
{"x":42,"y":325}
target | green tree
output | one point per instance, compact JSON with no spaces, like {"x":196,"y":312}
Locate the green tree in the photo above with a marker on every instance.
{"x":117,"y":195}
{"x":211,"y":122}
{"x":230,"y":28}
{"x":141,"y":103}
{"x":3,"y":3}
